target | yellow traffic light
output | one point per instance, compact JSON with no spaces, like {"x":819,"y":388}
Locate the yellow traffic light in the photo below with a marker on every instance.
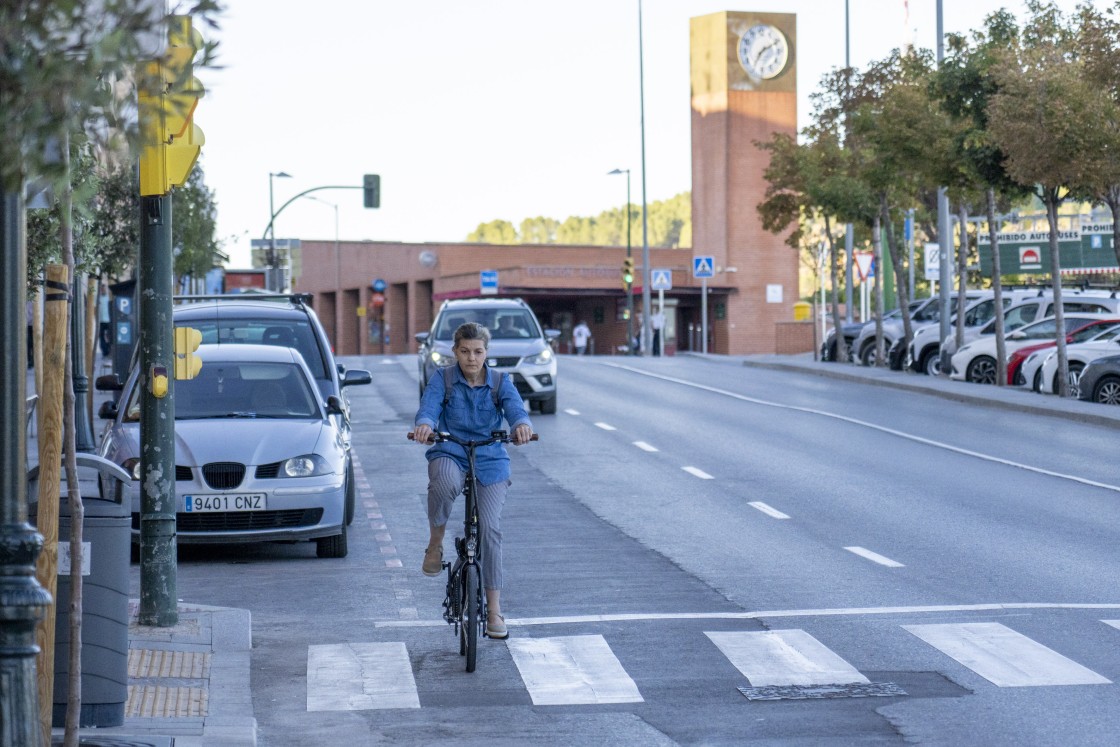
{"x":627,"y":272}
{"x":168,"y":96}
{"x":187,"y":364}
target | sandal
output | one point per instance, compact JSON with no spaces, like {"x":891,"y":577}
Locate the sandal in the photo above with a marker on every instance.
{"x":496,"y":629}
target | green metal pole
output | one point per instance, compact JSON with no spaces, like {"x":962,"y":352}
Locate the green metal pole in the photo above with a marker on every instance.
{"x":158,"y":602}
{"x":22,"y":600}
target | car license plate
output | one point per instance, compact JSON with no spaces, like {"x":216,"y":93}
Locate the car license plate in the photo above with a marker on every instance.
{"x":244,"y":502}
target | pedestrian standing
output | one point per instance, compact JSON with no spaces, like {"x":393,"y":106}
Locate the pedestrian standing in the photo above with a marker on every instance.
{"x":580,"y":335}
{"x":657,"y":321}
{"x":104,"y":328}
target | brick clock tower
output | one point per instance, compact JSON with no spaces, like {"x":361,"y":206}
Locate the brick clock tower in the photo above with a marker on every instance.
{"x":744,"y":89}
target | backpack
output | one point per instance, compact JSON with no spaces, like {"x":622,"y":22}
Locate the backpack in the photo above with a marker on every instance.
{"x":495,"y":382}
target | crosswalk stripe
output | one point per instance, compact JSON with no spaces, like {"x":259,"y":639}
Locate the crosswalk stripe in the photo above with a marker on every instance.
{"x":1003,"y":656}
{"x":572,"y":670}
{"x":784,"y":657}
{"x":360,"y":677}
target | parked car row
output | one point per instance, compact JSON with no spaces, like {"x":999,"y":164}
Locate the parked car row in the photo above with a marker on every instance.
{"x":262,"y":433}
{"x":1091,"y":326}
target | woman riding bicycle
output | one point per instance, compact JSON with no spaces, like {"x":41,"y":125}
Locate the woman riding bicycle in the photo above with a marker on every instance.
{"x":468,"y":411}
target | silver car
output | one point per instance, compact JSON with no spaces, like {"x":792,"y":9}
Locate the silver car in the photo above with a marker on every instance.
{"x":518,"y":345}
{"x":258,"y":455}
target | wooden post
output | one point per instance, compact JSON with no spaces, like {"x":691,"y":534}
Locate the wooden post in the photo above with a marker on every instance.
{"x":56,"y":329}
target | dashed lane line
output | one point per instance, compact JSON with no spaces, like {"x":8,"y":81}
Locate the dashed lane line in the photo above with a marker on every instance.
{"x":768,"y":510}
{"x":874,"y":557}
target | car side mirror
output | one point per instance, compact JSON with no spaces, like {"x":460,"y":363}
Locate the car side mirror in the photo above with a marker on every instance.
{"x":421,"y":337}
{"x":334,"y":405}
{"x":108,"y":383}
{"x":356,"y":376}
{"x":107,"y":411}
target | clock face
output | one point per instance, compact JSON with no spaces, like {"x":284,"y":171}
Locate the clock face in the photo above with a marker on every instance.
{"x":763,"y":51}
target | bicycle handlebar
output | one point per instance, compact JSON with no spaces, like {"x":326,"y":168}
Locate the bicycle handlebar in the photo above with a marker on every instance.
{"x":495,"y":437}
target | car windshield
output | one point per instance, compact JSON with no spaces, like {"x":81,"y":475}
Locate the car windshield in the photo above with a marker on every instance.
{"x":504,"y":324}
{"x":224,"y":389}
{"x":289,"y":333}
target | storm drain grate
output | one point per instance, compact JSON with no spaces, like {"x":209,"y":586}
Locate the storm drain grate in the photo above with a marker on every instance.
{"x":805,"y":692}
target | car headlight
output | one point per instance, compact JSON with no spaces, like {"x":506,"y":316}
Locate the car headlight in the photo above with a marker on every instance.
{"x":132,"y":467}
{"x":442,"y":359}
{"x":308,"y":465}
{"x":540,"y":358}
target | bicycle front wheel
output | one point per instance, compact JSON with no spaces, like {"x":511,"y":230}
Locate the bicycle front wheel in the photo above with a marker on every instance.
{"x":470,"y":606}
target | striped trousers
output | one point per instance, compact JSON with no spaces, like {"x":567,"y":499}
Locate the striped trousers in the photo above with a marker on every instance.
{"x":445,"y":483}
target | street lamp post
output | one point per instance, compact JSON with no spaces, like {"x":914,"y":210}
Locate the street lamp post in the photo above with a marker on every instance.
{"x":629,"y":286}
{"x":646,"y":330}
{"x":337,"y":274}
{"x":272,"y":230}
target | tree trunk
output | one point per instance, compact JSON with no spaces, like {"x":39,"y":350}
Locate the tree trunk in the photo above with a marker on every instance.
{"x":841,"y":353}
{"x":1052,"y":200}
{"x":962,"y":274}
{"x":877,"y":259}
{"x":900,"y":287}
{"x":997,"y":289}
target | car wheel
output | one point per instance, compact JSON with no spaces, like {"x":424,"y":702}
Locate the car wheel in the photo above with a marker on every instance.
{"x":867,"y":354}
{"x":982,"y":370}
{"x":548,"y":406}
{"x":332,"y":547}
{"x":1036,"y":385}
{"x":1074,"y":378}
{"x":1107,"y":391}
{"x":351,"y":492}
{"x":897,"y":357}
{"x":931,"y":363}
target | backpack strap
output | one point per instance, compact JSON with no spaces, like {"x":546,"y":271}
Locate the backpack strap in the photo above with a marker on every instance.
{"x":495,"y":379}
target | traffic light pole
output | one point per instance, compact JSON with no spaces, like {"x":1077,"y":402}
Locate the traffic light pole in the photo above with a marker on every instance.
{"x":158,"y":602}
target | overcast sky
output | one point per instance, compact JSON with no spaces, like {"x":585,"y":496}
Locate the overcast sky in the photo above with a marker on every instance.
{"x":477,"y":110}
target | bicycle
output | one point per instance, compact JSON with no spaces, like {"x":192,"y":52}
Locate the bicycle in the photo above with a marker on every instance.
{"x":464,"y":607}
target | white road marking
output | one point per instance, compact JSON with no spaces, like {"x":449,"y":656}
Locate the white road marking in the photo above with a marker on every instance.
{"x":767,"y":614}
{"x":571,"y":411}
{"x":1004,"y":657}
{"x":784,"y":657}
{"x":572,"y":670}
{"x":360,"y":677}
{"x":698,"y":473}
{"x":880,"y":428}
{"x":768,"y":510}
{"x":644,"y":446}
{"x":1113,"y":623}
{"x":875,"y":557}
{"x":606,"y":426}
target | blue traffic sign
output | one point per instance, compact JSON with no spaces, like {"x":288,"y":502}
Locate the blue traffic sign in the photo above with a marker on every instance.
{"x":378,"y":285}
{"x":661,"y":279}
{"x":488,"y":282}
{"x":703,"y":267}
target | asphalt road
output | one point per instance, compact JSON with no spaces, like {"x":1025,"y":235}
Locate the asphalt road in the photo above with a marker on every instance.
{"x":684,"y":529}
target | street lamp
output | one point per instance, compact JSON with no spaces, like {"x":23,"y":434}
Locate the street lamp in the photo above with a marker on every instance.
{"x":629,"y":286}
{"x":272,"y":229}
{"x":337,"y":273}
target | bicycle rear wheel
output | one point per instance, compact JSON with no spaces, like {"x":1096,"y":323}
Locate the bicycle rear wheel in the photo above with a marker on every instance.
{"x":470,"y":606}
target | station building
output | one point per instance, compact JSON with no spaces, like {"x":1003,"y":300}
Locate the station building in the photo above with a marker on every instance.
{"x":373,"y":297}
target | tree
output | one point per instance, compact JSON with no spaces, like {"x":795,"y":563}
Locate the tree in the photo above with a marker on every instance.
{"x":193,"y":225}
{"x":539,"y":230}
{"x":1044,"y":117}
{"x":494,"y":232}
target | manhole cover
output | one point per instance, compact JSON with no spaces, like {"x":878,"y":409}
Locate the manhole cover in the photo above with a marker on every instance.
{"x":805,"y":692}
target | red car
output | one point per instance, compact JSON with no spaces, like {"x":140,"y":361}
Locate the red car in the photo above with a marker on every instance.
{"x":1015,"y":361}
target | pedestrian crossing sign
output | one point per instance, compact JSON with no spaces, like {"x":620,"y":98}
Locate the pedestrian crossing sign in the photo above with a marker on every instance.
{"x":703,"y":267}
{"x":661,"y":279}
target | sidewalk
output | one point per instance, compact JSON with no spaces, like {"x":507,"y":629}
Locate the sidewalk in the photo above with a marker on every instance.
{"x":188,"y":685}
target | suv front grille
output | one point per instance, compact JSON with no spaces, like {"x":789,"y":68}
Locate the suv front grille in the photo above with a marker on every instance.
{"x":506,"y":362}
{"x":223,"y":475}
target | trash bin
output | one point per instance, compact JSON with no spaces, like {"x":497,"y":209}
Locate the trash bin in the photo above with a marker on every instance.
{"x":802,"y":310}
{"x":106,"y":552}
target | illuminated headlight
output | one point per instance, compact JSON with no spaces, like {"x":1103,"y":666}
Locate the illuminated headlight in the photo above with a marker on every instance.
{"x":442,"y":359}
{"x":308,"y":465}
{"x":540,"y":358}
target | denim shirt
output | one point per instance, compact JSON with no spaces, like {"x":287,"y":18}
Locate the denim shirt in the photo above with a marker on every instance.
{"x":470,"y":415}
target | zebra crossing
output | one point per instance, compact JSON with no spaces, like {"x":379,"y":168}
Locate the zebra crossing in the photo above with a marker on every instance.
{"x":584,"y":670}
